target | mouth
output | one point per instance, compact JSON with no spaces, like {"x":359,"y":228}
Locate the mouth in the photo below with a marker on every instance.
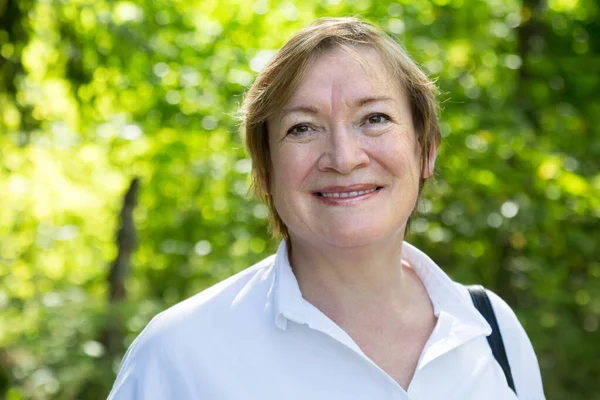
{"x":344,"y":193}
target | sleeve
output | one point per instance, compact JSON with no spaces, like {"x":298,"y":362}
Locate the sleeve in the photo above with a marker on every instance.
{"x":521,"y":356}
{"x":147,"y":371}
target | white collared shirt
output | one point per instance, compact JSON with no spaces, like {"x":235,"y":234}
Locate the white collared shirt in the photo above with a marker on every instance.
{"x":253,"y":336}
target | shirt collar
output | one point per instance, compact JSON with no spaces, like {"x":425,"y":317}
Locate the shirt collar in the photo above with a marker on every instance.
{"x":286,"y":291}
{"x":445,"y":295}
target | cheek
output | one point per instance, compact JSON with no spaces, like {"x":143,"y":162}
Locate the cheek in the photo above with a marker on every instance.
{"x":292,"y":164}
{"x":399,"y":155}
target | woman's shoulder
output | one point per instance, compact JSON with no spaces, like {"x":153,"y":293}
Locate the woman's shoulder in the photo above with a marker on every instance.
{"x":218,"y":301}
{"x":501,"y":308}
{"x":211,"y":311}
{"x":188,"y":335}
{"x":519,"y":350}
{"x":510,"y":327}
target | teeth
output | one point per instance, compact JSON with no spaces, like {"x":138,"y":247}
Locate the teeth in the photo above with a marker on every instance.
{"x":348,"y":194}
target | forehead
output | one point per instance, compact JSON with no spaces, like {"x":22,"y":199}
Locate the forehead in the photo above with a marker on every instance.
{"x":347,"y":72}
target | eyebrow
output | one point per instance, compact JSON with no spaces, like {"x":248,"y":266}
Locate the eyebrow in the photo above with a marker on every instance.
{"x":304,"y":109}
{"x":313,"y":110}
{"x":373,"y":99}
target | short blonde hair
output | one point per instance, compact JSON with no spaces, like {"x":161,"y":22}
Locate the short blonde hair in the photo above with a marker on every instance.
{"x":277,"y":82}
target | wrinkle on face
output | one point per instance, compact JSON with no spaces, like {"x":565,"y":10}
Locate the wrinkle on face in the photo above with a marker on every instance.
{"x":339,"y":101}
{"x":335,"y":97}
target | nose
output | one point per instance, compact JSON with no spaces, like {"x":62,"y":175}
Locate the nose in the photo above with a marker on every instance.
{"x":345,"y":152}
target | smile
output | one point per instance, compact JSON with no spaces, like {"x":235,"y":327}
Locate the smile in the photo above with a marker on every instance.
{"x":347,"y":194}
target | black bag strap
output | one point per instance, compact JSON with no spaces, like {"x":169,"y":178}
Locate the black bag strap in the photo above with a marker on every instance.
{"x":483,"y":305}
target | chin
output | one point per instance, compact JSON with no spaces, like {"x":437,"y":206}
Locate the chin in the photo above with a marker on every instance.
{"x":356,"y":236}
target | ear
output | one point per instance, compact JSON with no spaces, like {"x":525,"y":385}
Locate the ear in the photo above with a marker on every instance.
{"x":428,"y":171}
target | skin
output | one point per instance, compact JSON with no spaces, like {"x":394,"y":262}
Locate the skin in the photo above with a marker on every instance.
{"x":348,"y":128}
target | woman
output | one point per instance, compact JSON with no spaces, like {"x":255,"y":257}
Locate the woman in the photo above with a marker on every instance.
{"x":342,"y":129}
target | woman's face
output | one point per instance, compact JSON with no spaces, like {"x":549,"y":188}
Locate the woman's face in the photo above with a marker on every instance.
{"x":346,"y":164}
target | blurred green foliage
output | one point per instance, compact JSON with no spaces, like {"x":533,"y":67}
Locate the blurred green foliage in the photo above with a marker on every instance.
{"x":93,"y":93}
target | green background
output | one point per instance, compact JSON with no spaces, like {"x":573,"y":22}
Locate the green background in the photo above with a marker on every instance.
{"x":95,"y":93}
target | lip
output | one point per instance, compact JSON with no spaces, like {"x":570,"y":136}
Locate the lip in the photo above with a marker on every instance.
{"x":338,"y":201}
{"x":347,"y":189}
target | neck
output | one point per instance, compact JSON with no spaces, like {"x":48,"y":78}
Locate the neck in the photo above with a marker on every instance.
{"x":342,"y":280}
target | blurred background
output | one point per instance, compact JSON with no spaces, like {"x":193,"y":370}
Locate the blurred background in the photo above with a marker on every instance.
{"x":124,"y":181}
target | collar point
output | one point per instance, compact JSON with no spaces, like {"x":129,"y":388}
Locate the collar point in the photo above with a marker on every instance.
{"x":281,"y":322}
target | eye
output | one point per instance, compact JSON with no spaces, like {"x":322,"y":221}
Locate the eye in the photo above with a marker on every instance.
{"x":377,"y":118}
{"x":299,"y":129}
